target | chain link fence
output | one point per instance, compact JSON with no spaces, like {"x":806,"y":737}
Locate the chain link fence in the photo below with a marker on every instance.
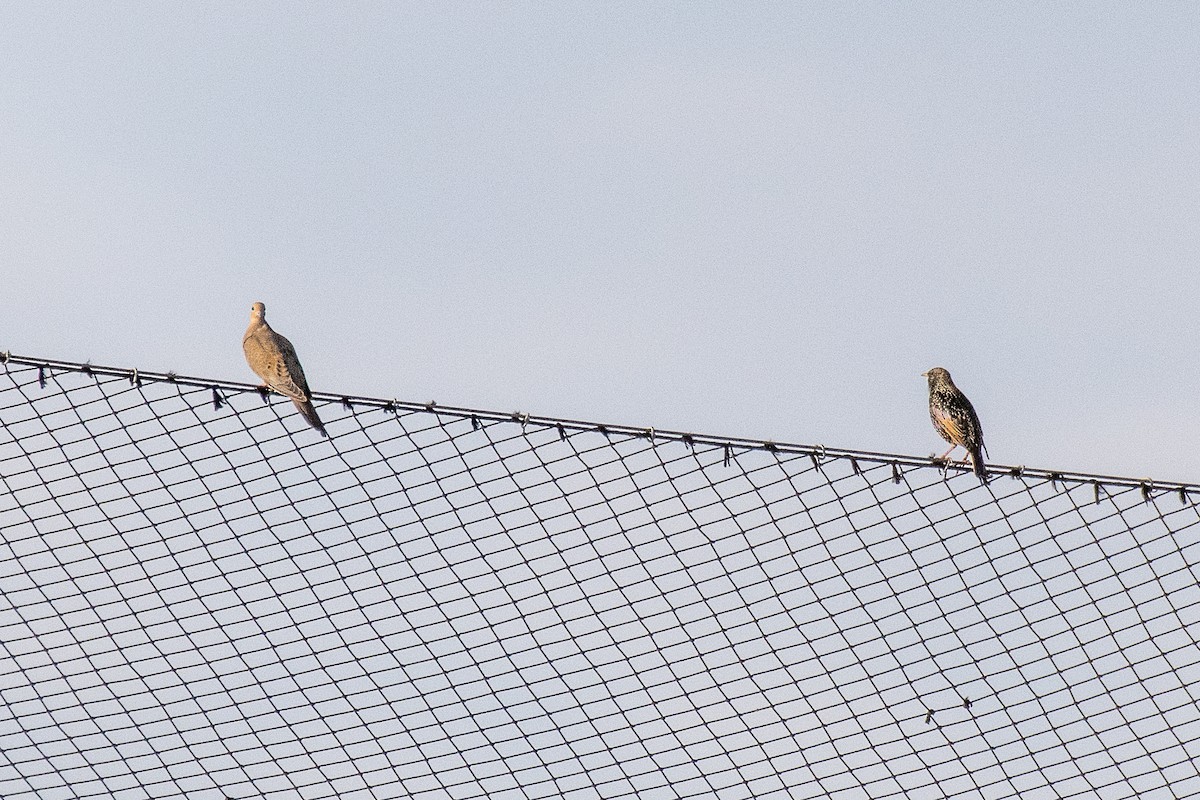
{"x":201,"y":598}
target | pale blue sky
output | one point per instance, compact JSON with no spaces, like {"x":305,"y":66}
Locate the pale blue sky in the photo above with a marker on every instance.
{"x":747,"y":219}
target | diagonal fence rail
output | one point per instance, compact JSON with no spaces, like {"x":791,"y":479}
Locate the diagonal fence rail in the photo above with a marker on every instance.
{"x":200,"y":598}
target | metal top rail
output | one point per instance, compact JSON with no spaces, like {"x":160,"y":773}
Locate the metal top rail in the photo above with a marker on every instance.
{"x":818,"y":452}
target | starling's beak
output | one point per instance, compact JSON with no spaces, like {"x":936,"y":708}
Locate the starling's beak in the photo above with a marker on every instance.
{"x":924,"y":374}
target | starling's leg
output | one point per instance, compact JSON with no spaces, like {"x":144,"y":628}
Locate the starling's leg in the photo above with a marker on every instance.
{"x":948,"y":452}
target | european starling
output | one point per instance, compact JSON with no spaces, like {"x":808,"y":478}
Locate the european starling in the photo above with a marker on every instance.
{"x":955,"y":418}
{"x":273,"y":359}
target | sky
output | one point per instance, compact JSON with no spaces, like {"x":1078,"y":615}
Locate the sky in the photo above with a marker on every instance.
{"x":751,"y":219}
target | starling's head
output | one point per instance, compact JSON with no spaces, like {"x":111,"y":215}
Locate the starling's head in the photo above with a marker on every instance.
{"x":938,"y":376}
{"x":258,"y":312}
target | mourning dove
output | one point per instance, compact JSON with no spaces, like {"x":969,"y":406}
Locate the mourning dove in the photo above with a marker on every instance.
{"x":273,"y":359}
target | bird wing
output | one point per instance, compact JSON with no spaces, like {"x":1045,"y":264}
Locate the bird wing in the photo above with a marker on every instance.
{"x":273,"y":359}
{"x":974,"y":429}
{"x":291,"y":378}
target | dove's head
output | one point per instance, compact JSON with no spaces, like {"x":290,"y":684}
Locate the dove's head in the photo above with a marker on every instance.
{"x":258,"y":312}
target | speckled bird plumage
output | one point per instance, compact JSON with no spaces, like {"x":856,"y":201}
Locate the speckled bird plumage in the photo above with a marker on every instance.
{"x":955,"y":419}
{"x":273,"y":359}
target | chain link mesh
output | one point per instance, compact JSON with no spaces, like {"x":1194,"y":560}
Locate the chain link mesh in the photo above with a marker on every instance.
{"x":200,"y":598}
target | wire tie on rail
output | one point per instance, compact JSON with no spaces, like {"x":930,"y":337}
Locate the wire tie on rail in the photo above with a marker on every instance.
{"x":895,"y":472}
{"x":854,"y":466}
{"x":265,"y":393}
{"x":1182,"y":496}
{"x":817,"y":457}
{"x":562,"y":432}
{"x":604,"y":429}
{"x":475,"y":422}
{"x":1146,"y":491}
{"x":1096,"y":490}
{"x":42,"y":377}
{"x":728,"y":454}
{"x":688,"y":441}
{"x":432,"y":404}
{"x":216,"y":399}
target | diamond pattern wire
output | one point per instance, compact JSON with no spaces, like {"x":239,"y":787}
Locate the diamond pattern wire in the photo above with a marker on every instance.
{"x":200,"y":598}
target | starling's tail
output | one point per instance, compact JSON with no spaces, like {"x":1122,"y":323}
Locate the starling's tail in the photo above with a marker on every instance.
{"x":305,"y":407}
{"x":978,"y":465}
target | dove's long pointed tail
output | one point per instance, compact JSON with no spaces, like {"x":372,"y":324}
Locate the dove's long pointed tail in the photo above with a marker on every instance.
{"x":306,"y":409}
